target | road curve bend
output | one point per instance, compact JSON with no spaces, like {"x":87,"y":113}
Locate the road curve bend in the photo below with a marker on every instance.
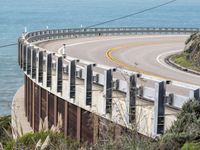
{"x":144,"y":54}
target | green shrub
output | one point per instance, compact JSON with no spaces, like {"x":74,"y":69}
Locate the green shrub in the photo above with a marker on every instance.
{"x":30,"y":140}
{"x":182,"y":60}
{"x":185,"y":129}
{"x":5,"y":129}
{"x":184,"y":133}
{"x":191,"y":146}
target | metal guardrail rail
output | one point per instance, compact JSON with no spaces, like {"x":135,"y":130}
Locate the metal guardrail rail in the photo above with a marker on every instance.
{"x":32,"y":59}
{"x":81,"y":32}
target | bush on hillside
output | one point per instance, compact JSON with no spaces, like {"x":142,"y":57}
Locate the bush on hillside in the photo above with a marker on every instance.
{"x":192,"y":48}
{"x":43,"y":140}
{"x":185,"y":129}
{"x":184,"y":133}
{"x":5,"y":129}
{"x":191,"y":146}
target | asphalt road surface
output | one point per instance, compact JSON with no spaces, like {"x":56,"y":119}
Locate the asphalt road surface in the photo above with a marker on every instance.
{"x":142,"y":53}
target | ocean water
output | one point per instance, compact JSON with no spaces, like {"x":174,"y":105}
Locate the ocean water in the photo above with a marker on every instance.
{"x":37,"y":14}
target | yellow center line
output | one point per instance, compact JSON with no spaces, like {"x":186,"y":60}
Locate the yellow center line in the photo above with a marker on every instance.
{"x":109,"y":55}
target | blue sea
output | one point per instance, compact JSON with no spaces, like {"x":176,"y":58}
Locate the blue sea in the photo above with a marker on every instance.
{"x":38,"y":14}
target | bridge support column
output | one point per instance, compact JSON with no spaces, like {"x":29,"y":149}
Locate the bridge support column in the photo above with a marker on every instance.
{"x":117,"y":133}
{"x":25,"y":94}
{"x":47,"y":105}
{"x":33,"y":105}
{"x":39,"y":101}
{"x":66,"y":119}
{"x":55,"y":110}
{"x":159,"y":108}
{"x":78,"y":127}
{"x":95,"y":128}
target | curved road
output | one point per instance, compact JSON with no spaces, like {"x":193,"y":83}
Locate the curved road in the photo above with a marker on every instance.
{"x":144,"y":54}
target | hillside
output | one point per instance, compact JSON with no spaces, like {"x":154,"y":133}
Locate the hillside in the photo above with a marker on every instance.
{"x":192,"y":48}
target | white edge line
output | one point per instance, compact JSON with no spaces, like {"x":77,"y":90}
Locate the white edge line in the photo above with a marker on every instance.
{"x":176,"y":83}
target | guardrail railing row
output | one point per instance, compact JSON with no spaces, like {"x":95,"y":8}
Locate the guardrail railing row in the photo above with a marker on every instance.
{"x":135,"y":30}
{"x":45,"y":71}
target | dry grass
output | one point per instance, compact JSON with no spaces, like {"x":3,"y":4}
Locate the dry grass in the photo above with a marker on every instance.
{"x":182,"y":60}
